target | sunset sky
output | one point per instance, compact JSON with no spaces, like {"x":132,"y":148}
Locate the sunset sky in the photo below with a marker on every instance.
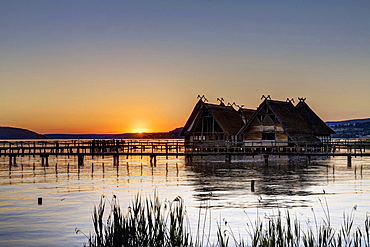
{"x":119,"y":66}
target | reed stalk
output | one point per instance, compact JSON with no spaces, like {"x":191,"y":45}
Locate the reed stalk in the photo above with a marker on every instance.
{"x":151,"y":223}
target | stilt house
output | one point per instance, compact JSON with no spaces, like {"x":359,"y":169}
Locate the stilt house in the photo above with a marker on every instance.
{"x":278,"y":123}
{"x":213,"y":123}
{"x":273,"y":123}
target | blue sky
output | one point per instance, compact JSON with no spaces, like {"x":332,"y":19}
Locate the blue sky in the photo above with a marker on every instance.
{"x":119,"y":66}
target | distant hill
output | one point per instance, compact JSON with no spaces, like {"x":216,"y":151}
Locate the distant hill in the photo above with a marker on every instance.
{"x":79,"y":136}
{"x":351,"y":121}
{"x":7,"y":133}
{"x":173,"y":134}
{"x":351,"y":128}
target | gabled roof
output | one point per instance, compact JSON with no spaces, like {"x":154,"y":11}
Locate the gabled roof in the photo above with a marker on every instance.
{"x":314,"y":121}
{"x":226,"y":117}
{"x":194,"y":114}
{"x":290,"y":118}
{"x":248,"y":113}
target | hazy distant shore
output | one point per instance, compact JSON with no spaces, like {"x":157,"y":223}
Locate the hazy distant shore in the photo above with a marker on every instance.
{"x":9,"y":133}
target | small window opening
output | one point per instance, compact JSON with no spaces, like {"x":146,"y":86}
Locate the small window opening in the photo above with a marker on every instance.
{"x":268,"y":136}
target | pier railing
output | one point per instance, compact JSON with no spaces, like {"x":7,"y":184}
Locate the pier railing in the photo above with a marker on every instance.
{"x":59,"y":147}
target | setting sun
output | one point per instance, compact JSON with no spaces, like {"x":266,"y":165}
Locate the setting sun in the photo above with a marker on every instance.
{"x":139,"y":131}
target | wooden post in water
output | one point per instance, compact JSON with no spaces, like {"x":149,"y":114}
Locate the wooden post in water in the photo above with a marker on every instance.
{"x":188,"y":159}
{"x":266,"y":158}
{"x":349,"y":161}
{"x":12,"y":160}
{"x":333,"y":169}
{"x":115,"y":160}
{"x":44,"y":159}
{"x":153,"y":160}
{"x":80,"y":159}
{"x":228,"y":158}
{"x":166,"y":150}
{"x":252,"y":185}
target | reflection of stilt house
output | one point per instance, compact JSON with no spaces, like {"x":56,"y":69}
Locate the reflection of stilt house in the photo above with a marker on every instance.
{"x":273,"y":123}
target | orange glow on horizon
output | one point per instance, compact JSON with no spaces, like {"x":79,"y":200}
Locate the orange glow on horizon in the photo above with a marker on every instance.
{"x":139,"y":131}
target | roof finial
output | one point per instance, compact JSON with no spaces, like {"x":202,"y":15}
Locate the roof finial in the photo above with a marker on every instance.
{"x":202,"y":98}
{"x":290,"y":100}
{"x":221,"y":100}
{"x":266,"y":97}
{"x":301,"y":99}
{"x":239,"y":106}
{"x":234,"y":104}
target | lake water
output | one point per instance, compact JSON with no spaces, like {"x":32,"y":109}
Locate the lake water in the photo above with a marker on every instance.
{"x":69,"y":192}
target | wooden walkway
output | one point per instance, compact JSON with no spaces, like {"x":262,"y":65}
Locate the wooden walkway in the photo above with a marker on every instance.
{"x":82,"y":148}
{"x":166,"y":148}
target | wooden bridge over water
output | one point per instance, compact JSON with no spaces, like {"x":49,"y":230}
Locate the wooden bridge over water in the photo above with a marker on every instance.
{"x":165,"y":148}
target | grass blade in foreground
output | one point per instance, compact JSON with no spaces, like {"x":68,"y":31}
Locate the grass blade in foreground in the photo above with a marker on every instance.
{"x":150,"y":223}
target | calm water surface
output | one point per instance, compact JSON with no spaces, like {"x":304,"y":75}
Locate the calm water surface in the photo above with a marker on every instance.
{"x":69,"y":192}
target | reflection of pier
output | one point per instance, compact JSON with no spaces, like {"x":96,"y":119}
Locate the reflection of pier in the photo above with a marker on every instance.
{"x":255,"y":185}
{"x":114,"y":148}
{"x":165,"y":148}
{"x":68,"y":174}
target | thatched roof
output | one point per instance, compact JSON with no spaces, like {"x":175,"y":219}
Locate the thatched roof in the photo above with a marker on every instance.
{"x":229,"y":120}
{"x":300,"y":123}
{"x":290,"y":118}
{"x":194,"y":114}
{"x":248,"y":113}
{"x":313,"y":120}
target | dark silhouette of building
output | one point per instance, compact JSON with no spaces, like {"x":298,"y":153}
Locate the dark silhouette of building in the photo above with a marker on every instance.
{"x":272,"y":123}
